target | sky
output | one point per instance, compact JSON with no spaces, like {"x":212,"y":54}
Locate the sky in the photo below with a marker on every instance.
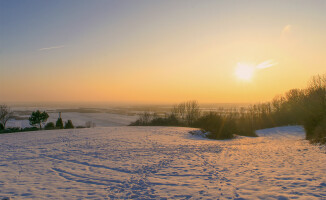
{"x":158,"y":51}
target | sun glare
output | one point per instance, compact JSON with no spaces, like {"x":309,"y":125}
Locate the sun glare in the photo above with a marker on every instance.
{"x":244,"y":71}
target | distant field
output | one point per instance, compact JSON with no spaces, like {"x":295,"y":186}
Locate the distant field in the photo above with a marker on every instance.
{"x":101,"y":115}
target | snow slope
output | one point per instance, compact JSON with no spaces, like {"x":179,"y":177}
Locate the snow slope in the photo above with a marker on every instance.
{"x":160,"y":163}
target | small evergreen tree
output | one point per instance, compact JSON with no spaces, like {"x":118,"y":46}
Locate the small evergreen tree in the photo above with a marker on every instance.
{"x":1,"y":127}
{"x":59,"y":123}
{"x":38,"y":118}
{"x":69,"y":124}
{"x":49,"y":126}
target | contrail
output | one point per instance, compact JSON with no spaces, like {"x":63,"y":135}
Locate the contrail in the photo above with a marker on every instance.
{"x":266,"y":64}
{"x":54,"y":47}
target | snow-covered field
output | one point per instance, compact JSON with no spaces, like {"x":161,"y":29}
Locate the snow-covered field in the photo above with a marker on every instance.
{"x":160,"y":163}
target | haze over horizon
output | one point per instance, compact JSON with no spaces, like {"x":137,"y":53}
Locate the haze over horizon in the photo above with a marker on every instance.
{"x":158,"y":51}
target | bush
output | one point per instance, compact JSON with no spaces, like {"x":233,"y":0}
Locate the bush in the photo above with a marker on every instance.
{"x":318,"y":133}
{"x":310,"y":125}
{"x":69,"y":125}
{"x":49,"y":126}
{"x":29,"y":129}
{"x":1,"y":127}
{"x":59,"y":123}
{"x":4,"y":131}
{"x":90,"y":124}
{"x":170,"y":120}
{"x":17,"y":129}
{"x":14,"y":129}
{"x":11,"y":130}
{"x":136,"y":123}
{"x":218,"y":126}
{"x":245,"y":126}
{"x":147,"y":119}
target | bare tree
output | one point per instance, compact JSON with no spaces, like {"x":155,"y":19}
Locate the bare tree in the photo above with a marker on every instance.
{"x":179,"y":111}
{"x":90,"y":124}
{"x":192,"y":112}
{"x":5,"y":114}
{"x":317,"y":89}
{"x":145,"y":118}
{"x":186,"y":112}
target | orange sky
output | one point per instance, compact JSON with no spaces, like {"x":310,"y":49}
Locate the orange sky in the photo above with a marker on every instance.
{"x":159,"y":52}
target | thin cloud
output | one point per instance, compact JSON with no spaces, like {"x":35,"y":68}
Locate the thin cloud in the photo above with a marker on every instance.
{"x":266,"y":64}
{"x":49,"y":48}
{"x":286,"y":30}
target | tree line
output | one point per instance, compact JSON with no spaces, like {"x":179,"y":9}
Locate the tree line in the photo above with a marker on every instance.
{"x":37,"y":120}
{"x":305,"y":107}
{"x":188,"y":114}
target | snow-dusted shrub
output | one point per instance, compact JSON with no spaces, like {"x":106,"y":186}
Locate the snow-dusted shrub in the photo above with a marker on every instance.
{"x":69,"y":125}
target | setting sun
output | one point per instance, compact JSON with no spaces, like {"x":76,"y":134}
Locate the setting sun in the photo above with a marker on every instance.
{"x":244,"y":71}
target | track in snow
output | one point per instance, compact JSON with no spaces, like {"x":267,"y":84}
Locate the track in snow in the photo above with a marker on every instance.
{"x":160,"y":163}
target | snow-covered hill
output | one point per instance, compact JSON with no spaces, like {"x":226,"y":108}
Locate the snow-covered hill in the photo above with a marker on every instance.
{"x":160,"y":163}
